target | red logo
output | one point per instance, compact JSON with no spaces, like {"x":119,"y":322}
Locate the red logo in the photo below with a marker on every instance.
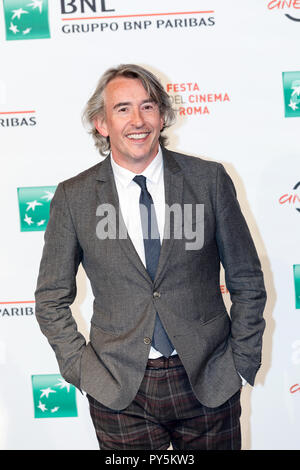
{"x":292,"y":198}
{"x":295,"y":388}
{"x":191,"y":100}
{"x":292,"y":5}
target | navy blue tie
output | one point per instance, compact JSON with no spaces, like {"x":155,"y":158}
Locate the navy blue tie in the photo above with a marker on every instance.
{"x":160,"y":340}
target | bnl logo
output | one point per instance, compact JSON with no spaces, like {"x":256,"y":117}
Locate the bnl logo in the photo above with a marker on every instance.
{"x":296,"y":269}
{"x":291,"y":91}
{"x":26,"y":19}
{"x":53,"y":397}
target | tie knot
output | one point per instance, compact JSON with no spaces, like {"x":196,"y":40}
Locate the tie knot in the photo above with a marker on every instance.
{"x":141,"y":181}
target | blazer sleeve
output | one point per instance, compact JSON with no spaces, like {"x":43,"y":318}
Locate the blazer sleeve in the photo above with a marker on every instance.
{"x":243,"y":277}
{"x":56,"y":288}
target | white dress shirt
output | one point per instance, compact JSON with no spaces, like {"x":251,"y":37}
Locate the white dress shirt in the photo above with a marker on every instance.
{"x":129,"y":196}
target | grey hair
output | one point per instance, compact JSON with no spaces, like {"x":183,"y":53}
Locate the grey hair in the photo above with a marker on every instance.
{"x":96,"y":107}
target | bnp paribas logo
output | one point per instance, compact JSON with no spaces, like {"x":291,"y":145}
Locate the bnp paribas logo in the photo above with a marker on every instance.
{"x":53,"y":397}
{"x":297,"y":284}
{"x":26,"y":19}
{"x":291,"y":88}
{"x":34,"y":207}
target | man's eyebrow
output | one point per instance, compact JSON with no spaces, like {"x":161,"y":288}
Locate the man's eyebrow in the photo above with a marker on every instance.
{"x":125,"y":103}
{"x":128,"y":103}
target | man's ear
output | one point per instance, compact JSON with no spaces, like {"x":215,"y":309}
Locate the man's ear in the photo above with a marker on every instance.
{"x":162,"y":122}
{"x":100,"y":125}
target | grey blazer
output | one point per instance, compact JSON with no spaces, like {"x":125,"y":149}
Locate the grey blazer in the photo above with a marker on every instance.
{"x":213,"y":344}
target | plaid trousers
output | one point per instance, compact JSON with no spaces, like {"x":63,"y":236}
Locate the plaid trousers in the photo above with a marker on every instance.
{"x":165,"y":411}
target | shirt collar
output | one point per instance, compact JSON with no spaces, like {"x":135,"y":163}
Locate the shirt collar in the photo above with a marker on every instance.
{"x":151,"y":172}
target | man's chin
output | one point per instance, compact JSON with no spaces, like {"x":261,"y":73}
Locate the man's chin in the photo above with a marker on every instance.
{"x":143,"y":156}
{"x":140,"y":152}
{"x":134,"y":156}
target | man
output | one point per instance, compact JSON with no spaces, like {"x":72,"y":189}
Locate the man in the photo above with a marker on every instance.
{"x":165,"y":361}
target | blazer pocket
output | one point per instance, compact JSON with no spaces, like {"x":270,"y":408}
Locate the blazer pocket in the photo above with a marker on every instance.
{"x":72,"y":374}
{"x":215,"y":315}
{"x":102,"y":323}
{"x":105,"y":330}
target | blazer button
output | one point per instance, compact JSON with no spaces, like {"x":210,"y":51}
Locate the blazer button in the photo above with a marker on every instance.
{"x":156,"y":295}
{"x":147,"y":340}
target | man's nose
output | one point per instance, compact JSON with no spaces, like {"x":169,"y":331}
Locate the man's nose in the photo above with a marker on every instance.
{"x":137,"y":117}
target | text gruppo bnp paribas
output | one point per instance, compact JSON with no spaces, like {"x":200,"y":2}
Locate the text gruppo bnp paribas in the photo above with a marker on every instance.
{"x":81,"y":16}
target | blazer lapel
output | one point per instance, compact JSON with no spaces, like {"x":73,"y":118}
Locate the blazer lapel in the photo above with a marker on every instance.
{"x":107,"y":194}
{"x":173,"y":179}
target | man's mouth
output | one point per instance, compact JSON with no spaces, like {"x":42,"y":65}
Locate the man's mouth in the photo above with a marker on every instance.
{"x":138,"y":135}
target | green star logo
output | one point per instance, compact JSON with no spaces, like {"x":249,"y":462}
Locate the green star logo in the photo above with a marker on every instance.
{"x":53,"y":397}
{"x":34,"y":207}
{"x":297,"y":284}
{"x":291,"y":91}
{"x":26,"y":19}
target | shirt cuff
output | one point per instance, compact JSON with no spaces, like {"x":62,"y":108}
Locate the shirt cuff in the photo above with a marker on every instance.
{"x":244,"y":381}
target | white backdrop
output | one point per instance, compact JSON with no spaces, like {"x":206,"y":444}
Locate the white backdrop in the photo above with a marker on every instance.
{"x":232,"y":53}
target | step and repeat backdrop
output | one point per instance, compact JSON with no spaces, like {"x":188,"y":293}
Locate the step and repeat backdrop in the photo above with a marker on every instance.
{"x":232,"y":70}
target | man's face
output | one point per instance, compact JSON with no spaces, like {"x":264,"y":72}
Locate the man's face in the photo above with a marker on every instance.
{"x":132,"y":122}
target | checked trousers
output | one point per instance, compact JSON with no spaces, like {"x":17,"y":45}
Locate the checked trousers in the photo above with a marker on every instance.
{"x":165,"y":411}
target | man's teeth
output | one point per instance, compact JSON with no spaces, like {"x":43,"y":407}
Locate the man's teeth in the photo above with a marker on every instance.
{"x":137,"y":136}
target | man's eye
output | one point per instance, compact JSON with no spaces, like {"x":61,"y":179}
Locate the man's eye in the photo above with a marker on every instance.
{"x":122,"y":110}
{"x":148,"y":107}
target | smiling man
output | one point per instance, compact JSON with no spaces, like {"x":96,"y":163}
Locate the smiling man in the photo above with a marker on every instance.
{"x":164,"y":362}
{"x":132,"y":122}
